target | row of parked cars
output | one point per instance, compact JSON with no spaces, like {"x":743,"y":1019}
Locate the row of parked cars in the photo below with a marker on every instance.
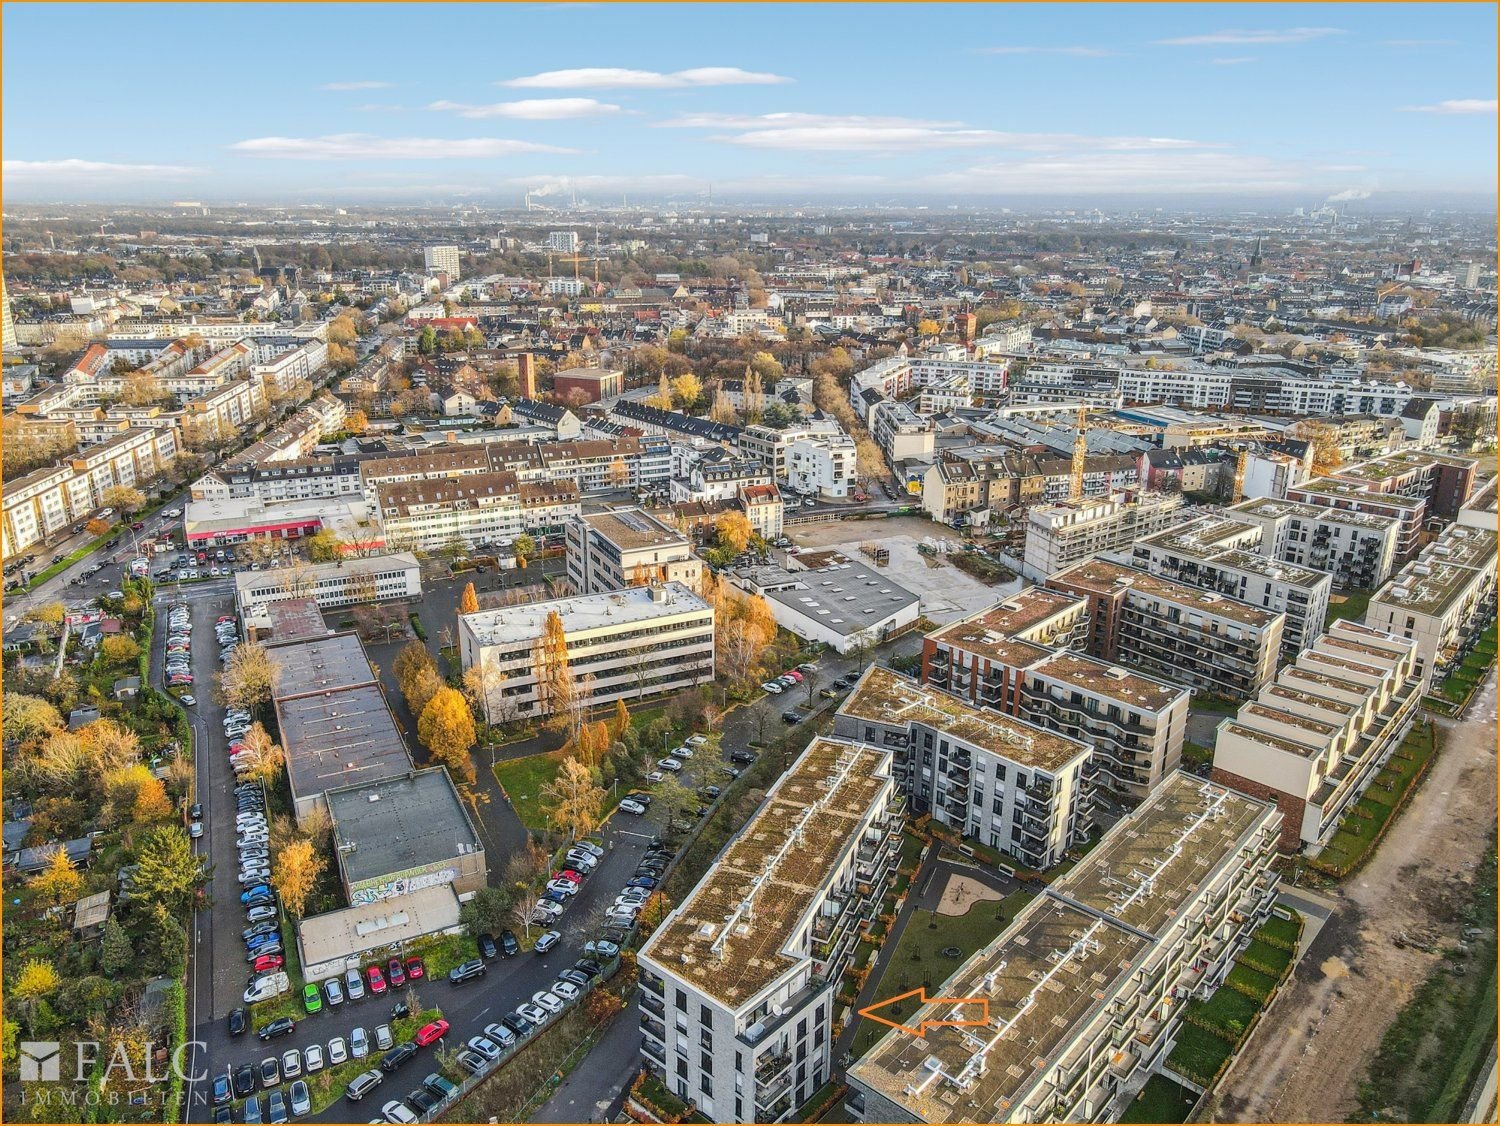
{"x":789,"y":679}
{"x":179,"y":663}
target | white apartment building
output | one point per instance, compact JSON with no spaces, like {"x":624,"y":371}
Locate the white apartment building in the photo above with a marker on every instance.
{"x":348,"y":582}
{"x":627,"y":547}
{"x":737,"y":985}
{"x":627,"y":644}
{"x":815,"y":456}
{"x":1219,"y":554}
{"x":1357,"y":548}
{"x":1313,"y":740}
{"x":1007,"y":783}
{"x":1059,"y":535}
{"x":482,"y":508}
{"x":1085,"y":988}
{"x":1441,"y":597}
{"x":441,"y":259}
{"x":1021,"y":656}
{"x":563,"y":242}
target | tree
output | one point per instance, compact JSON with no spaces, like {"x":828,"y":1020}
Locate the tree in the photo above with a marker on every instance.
{"x":446,"y":729}
{"x":733,"y":531}
{"x":686,"y":388}
{"x":488,"y":910}
{"x":168,"y":872}
{"x":151,"y":803}
{"x":123,"y":499}
{"x":324,"y":547}
{"x":341,"y":357}
{"x":621,"y":722}
{"x":268,"y":755}
{"x":37,"y":979}
{"x":48,"y":614}
{"x":295,"y":874}
{"x":250,"y":677}
{"x":118,"y":951}
{"x":524,"y":547}
{"x":554,"y":679}
{"x":60,"y":882}
{"x":119,"y":649}
{"x":468,"y":602}
{"x":29,"y":717}
{"x":1324,"y":440}
{"x":97,"y":527}
{"x":869,"y":459}
{"x":673,"y":800}
{"x":927,"y":327}
{"x":722,"y":410}
{"x":573,"y":800}
{"x":419,"y":689}
{"x":356,"y":422}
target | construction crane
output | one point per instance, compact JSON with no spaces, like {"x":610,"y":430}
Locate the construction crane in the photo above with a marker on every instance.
{"x":1080,"y":452}
{"x":577,"y":258}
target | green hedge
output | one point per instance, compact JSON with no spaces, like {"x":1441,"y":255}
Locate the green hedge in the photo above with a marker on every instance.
{"x":1266,"y":958}
{"x":1251,"y":983}
{"x":1280,"y":933}
{"x":1228,"y":1013}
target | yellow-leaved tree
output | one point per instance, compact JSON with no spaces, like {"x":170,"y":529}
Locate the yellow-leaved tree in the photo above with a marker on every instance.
{"x":573,"y":800}
{"x":446,"y":729}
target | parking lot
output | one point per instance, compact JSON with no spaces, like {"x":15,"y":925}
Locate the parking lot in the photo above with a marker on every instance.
{"x":947,"y":593}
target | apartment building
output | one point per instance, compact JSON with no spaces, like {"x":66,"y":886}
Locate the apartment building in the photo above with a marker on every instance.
{"x":1357,"y":548}
{"x":219,"y":414}
{"x":441,"y":260}
{"x":347,"y":582}
{"x":969,"y":483}
{"x":714,"y":474}
{"x":1218,"y":553}
{"x":1315,"y":739}
{"x":1071,"y":531}
{"x":1440,"y":598}
{"x":1007,"y":783}
{"x":131,"y":459}
{"x":1209,"y":642}
{"x":37,"y":506}
{"x":1085,"y":988}
{"x":591,"y":465}
{"x":299,"y":479}
{"x":627,"y":644}
{"x":737,"y":985}
{"x":764,"y":508}
{"x":627,"y":547}
{"x":815,"y":456}
{"x":1021,"y":656}
{"x":480,"y":508}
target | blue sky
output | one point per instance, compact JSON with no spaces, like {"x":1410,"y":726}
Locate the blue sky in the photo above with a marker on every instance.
{"x":349,"y":103}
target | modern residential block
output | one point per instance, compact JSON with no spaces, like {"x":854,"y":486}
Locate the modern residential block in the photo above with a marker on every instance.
{"x":1357,"y":548}
{"x":627,"y":547}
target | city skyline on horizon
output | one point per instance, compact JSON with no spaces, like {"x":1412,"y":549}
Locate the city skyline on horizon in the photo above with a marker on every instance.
{"x":997,"y":103}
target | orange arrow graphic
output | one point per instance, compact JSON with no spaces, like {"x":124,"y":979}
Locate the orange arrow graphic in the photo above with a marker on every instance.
{"x":872,"y":1011}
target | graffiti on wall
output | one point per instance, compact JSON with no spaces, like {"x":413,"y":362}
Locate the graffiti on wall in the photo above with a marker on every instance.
{"x":400,"y":885}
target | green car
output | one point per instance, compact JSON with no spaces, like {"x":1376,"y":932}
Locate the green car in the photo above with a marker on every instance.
{"x":312,"y":1000}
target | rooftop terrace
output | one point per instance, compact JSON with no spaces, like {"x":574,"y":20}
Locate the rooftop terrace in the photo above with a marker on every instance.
{"x":1111,"y":682}
{"x":634,"y":530}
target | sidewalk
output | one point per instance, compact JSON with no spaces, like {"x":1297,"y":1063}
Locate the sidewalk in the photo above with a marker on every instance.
{"x":595,"y":1091}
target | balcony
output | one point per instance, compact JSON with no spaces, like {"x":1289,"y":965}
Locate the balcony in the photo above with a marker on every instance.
{"x":655,"y":1028}
{"x":769,"y":1067}
{"x":653,"y":983}
{"x":654,"y":1006}
{"x":654,"y":1054}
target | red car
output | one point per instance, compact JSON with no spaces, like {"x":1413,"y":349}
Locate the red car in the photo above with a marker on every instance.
{"x":396,"y":973}
{"x":267,"y":962}
{"x":431,"y":1033}
{"x":568,"y":874}
{"x":376,"y":981}
{"x":415,"y":970}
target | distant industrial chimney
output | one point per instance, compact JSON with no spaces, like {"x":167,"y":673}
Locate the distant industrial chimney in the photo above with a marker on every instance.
{"x":526,"y":373}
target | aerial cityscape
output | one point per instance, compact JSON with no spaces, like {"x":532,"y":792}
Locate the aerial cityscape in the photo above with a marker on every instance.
{"x":750,"y":563}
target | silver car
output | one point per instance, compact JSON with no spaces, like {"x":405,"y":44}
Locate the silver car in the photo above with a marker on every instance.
{"x":354,"y":985}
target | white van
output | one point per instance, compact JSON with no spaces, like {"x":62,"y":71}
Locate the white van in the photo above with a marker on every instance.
{"x":272,"y":985}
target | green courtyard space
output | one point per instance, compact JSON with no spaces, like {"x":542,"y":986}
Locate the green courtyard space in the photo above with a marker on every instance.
{"x":1160,"y":1100}
{"x":1363,"y":824}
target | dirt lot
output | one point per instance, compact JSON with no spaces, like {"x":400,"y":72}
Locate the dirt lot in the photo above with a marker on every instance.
{"x":947,"y":593}
{"x":961,"y":893}
{"x":1305,"y":1063}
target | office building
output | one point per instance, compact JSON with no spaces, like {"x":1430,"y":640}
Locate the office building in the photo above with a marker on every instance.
{"x":1006,"y":783}
{"x":589,"y":384}
{"x":479,"y":508}
{"x":1210,"y":642}
{"x":627,"y":644}
{"x":627,"y":547}
{"x":441,"y":260}
{"x":1315,"y":739}
{"x":1084,"y":990}
{"x":346,"y":582}
{"x":737,"y":985}
{"x":844,"y":605}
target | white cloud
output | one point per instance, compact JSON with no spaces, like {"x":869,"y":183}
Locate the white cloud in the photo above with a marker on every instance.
{"x":1288,"y":35}
{"x":73,"y":167}
{"x":619,"y":78}
{"x":1456,"y":106}
{"x":356,"y":86}
{"x":1076,"y":52}
{"x":1419,"y":42}
{"x":363,"y":146}
{"x":532,"y":109}
{"x":1348,"y":195}
{"x":1238,"y":60}
{"x":1157,"y":172}
{"x":812,"y":132}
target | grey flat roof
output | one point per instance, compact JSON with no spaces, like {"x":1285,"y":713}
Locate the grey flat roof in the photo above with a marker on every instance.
{"x":339,"y":739}
{"x":846,"y":598}
{"x":400,"y":823}
{"x":319,"y":665}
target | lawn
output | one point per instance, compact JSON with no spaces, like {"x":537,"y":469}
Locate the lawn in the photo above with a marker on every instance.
{"x":1347,"y":848}
{"x":1277,"y":928}
{"x":1227,"y":1012}
{"x":1350,"y":605}
{"x":1245,"y":978}
{"x":1265,"y":958}
{"x":918,"y":959}
{"x":1160,"y":1100}
{"x":1198,"y":1053}
{"x":523,"y":779}
{"x":1195,"y":754}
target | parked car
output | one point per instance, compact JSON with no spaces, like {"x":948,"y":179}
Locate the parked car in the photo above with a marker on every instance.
{"x":416,"y":969}
{"x":300,"y":1099}
{"x":546,"y":1000}
{"x":466,"y":971}
{"x":509,"y":946}
{"x":439,"y":1086}
{"x":291,"y":1063}
{"x":398,"y":1112}
{"x":395,"y":973}
{"x":376,"y":980}
{"x":565,"y":990}
{"x":238,"y":1022}
{"x":312,"y":999}
{"x":338,"y":1051}
{"x":402,"y":1053}
{"x":383,"y":1037}
{"x":500,"y":1035}
{"x":547,"y":941}
{"x":363,"y":1084}
{"x":670,"y":764}
{"x":772,"y":686}
{"x":312,"y":1058}
{"x":630,"y":805}
{"x":333,"y":990}
{"x":354,"y":985}
{"x":533,"y":1014}
{"x":270,"y":1072}
{"x":359,"y":1043}
{"x":471,"y":1061}
{"x":485,"y":1047}
{"x":487,"y":948}
{"x":430,"y":1033}
{"x":281,"y":1026}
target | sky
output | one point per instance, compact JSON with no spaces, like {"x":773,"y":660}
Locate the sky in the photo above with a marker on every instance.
{"x":355,"y":103}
